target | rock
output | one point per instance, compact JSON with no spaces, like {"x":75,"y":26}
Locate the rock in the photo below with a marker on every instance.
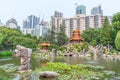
{"x":111,"y":73}
{"x":48,"y":74}
{"x":88,"y":55}
{"x":25,"y":55}
{"x":25,"y":71}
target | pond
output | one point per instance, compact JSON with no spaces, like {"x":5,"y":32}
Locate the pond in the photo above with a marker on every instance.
{"x":112,"y":65}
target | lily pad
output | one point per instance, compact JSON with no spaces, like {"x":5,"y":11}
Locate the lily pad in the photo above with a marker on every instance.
{"x":9,"y":67}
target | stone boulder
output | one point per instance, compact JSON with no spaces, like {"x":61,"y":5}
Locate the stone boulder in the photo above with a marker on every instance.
{"x":48,"y":74}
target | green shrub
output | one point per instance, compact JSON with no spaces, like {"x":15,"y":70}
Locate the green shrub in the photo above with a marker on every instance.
{"x":85,"y":46}
{"x":79,"y":49}
{"x":63,"y":49}
{"x":91,"y":54}
{"x":117,"y":41}
{"x":5,"y":53}
{"x":93,"y":42}
{"x":76,"y":45}
{"x":71,"y":49}
{"x":53,"y":46}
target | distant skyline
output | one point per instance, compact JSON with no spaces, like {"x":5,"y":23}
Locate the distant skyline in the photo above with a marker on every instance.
{"x":20,"y":9}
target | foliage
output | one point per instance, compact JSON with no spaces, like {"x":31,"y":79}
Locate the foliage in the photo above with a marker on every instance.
{"x":63,"y":48}
{"x":9,"y":68}
{"x":105,"y":33}
{"x":1,"y":38}
{"x":4,"y":75}
{"x":113,"y":34}
{"x":91,"y":34}
{"x":50,"y":37}
{"x":93,"y":42}
{"x":76,"y":45}
{"x":115,"y":26}
{"x":5,"y":53}
{"x":53,"y":46}
{"x":66,"y":68}
{"x":24,"y":41}
{"x":61,"y":37}
{"x":71,"y":49}
{"x":13,"y":37}
{"x":117,"y":41}
{"x":4,"y":78}
{"x":85,"y":46}
{"x":79,"y":49}
{"x":116,"y":21}
{"x":30,"y":36}
{"x":77,"y":72}
{"x":40,"y":39}
{"x":57,"y":38}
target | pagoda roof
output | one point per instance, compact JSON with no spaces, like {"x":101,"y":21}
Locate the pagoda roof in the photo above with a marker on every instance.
{"x":76,"y":39}
{"x":76,"y":36}
{"x":45,"y":44}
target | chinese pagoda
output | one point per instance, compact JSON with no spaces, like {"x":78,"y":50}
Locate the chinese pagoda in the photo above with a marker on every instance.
{"x":76,"y":38}
{"x":45,"y":45}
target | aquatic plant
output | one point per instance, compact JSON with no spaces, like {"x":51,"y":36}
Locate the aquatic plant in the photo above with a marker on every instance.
{"x":74,"y":72}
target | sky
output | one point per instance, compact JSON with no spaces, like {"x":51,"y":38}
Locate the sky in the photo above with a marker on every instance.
{"x":20,"y":9}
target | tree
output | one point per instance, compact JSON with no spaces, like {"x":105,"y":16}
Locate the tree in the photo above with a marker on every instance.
{"x":1,"y":38}
{"x":105,"y":33}
{"x":91,"y":34}
{"x":24,"y":41}
{"x":117,"y":41}
{"x":13,"y":37}
{"x":116,"y":21}
{"x":61,"y":36}
{"x":115,"y":27}
{"x":112,"y":36}
{"x":49,"y":37}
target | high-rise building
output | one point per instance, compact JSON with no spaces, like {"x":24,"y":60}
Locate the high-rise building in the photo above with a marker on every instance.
{"x":35,"y":26}
{"x":1,"y":24}
{"x":56,"y":21}
{"x":12,"y":23}
{"x":79,"y":21}
{"x":97,"y":10}
{"x":31,"y":22}
{"x":81,"y":9}
{"x":94,"y":21}
{"x":58,"y":14}
{"x":42,"y":28}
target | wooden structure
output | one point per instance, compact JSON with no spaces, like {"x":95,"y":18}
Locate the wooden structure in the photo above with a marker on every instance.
{"x":76,"y":37}
{"x":45,"y":45}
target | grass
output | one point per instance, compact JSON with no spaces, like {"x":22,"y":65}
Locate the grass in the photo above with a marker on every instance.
{"x":5,"y":53}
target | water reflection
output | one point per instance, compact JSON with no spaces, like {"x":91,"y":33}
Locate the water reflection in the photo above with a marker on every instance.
{"x":5,"y":59}
{"x":109,"y":64}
